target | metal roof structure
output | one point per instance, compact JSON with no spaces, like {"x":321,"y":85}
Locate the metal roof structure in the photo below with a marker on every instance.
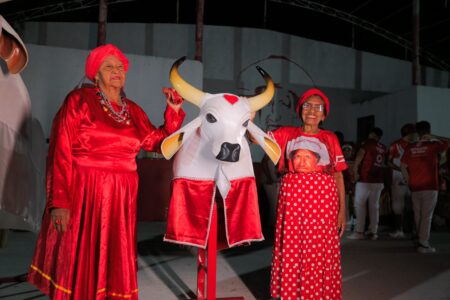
{"x":378,"y":26}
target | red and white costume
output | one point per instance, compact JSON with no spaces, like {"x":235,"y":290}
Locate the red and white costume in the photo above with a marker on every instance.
{"x":214,"y":155}
{"x":191,"y":207}
{"x":198,"y":172}
{"x":306,"y":255}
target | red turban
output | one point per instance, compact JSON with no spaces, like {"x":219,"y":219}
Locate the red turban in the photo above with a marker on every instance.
{"x":308,"y":94}
{"x":98,"y":55}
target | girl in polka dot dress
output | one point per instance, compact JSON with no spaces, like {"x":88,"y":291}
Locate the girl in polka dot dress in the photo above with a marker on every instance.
{"x":311,"y":206}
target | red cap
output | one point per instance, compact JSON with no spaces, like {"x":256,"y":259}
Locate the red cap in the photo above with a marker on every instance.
{"x":98,"y":55}
{"x":308,"y":94}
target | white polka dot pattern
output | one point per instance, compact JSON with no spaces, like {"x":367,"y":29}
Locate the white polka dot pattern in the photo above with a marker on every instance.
{"x":306,"y":259}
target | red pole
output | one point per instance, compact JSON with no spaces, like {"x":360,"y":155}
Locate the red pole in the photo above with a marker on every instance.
{"x":211,"y":264}
{"x":201,"y":271}
{"x":212,"y":252}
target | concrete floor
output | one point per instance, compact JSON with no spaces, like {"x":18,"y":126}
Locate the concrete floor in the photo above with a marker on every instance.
{"x":382,"y":269}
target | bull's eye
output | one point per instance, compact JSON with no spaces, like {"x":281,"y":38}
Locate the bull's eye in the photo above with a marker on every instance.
{"x":210,"y":118}
{"x":245,"y":124}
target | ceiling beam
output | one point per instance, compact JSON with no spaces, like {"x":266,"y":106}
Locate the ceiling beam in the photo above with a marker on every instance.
{"x":55,"y":9}
{"x":361,"y":23}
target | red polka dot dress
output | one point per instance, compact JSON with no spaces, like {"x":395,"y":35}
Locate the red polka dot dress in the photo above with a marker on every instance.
{"x":306,"y":260}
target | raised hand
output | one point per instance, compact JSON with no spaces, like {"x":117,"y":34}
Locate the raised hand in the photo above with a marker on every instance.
{"x":173,"y":99}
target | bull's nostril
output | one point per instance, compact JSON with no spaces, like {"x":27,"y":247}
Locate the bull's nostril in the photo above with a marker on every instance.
{"x":235,"y":153}
{"x":229,"y":152}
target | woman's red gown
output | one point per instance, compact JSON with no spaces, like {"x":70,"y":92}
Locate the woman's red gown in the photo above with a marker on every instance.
{"x":91,"y":170}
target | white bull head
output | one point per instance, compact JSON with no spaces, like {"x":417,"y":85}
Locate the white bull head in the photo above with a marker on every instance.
{"x":213,"y":146}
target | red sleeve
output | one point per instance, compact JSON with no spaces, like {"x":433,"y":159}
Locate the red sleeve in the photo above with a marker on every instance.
{"x":405,"y":156}
{"x":338,"y":163}
{"x":281,"y":135}
{"x":152,"y":136}
{"x":393,"y":150}
{"x":59,"y":159}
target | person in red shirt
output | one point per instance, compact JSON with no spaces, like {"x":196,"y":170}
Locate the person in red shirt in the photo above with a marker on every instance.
{"x":368,"y":171}
{"x":311,"y":207}
{"x":399,"y":188}
{"x":419,"y":166}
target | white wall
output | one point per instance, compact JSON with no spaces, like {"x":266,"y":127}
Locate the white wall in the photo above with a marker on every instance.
{"x":433,"y":105}
{"x":357,"y":83}
{"x":227,"y":50}
{"x":391,"y":112}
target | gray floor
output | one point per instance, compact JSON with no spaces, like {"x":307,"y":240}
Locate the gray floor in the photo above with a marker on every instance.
{"x":382,"y":269}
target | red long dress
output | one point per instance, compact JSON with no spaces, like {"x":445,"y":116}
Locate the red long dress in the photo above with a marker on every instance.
{"x":91,"y":170}
{"x":306,"y":261}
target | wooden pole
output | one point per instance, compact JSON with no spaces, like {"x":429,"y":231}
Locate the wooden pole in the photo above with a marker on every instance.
{"x":102,"y":18}
{"x":416,"y":43}
{"x":199,"y":30}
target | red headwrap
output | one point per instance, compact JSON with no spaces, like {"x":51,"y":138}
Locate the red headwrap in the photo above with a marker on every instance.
{"x":308,"y":94}
{"x":98,"y":55}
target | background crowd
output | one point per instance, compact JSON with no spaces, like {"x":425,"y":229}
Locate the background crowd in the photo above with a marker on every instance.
{"x":401,"y":182}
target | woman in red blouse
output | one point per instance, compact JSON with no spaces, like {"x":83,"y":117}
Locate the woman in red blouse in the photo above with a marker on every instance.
{"x":311,"y":209}
{"x":87,"y":244}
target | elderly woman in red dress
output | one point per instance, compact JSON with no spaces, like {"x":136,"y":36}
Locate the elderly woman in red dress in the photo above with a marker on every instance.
{"x":311,"y":207}
{"x":87,"y":245}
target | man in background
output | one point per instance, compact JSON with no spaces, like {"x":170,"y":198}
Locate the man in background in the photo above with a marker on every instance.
{"x":399,"y":188}
{"x":368,"y":171}
{"x":420,"y":166}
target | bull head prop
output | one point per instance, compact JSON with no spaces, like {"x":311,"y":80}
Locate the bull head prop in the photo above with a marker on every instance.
{"x":214,"y":144}
{"x":212,"y":151}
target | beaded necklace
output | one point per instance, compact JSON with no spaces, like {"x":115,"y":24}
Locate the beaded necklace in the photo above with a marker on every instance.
{"x":123,"y":116}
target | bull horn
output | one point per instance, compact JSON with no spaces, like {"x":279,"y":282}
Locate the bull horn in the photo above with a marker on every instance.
{"x":261,"y":100}
{"x":187,"y":91}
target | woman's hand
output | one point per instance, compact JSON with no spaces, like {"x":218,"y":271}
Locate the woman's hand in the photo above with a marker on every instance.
{"x":60,"y":219}
{"x":173,"y":99}
{"x":341,"y":222}
{"x":339,"y":177}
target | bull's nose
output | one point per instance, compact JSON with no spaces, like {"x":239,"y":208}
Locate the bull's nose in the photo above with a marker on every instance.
{"x":229,"y":152}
